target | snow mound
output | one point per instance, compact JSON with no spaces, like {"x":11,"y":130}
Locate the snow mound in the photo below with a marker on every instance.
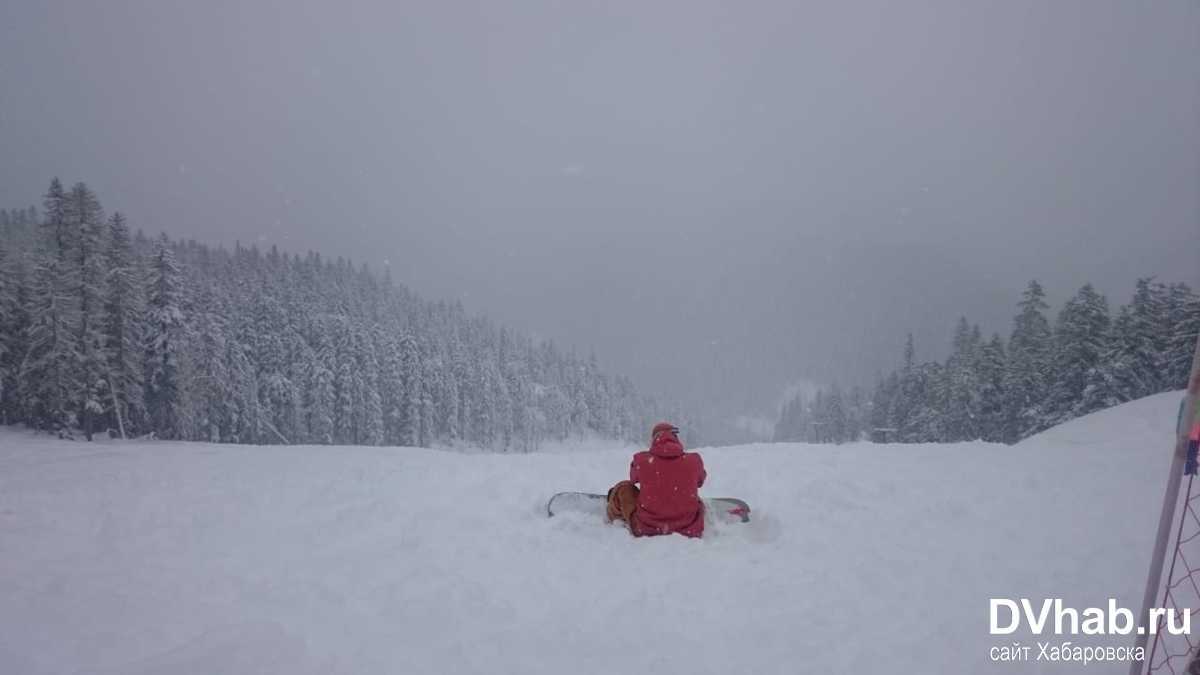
{"x":144,"y":557}
{"x":1144,"y":417}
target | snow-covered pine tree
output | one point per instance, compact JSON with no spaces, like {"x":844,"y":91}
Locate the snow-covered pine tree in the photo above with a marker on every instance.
{"x":58,"y":239}
{"x":277,"y":396}
{"x":882,"y":422}
{"x":1109,"y":383}
{"x":517,"y":385}
{"x":319,"y":391}
{"x":503,"y":397}
{"x":209,"y":350}
{"x":1183,"y":319}
{"x":391,"y":390}
{"x":910,"y":396}
{"x":858,"y":412}
{"x":85,"y":217}
{"x":409,"y":425}
{"x":990,"y":368}
{"x":818,"y":419}
{"x":1132,"y":366}
{"x":484,"y":422}
{"x":369,"y":405}
{"x":161,"y":343}
{"x":1080,"y":335}
{"x":8,"y":307}
{"x":449,"y":396}
{"x":49,"y":369}
{"x":430,"y":372}
{"x":573,"y":387}
{"x":502,"y":431}
{"x":345,"y":384}
{"x":960,"y":389}
{"x":243,"y":405}
{"x":835,"y":416}
{"x":1150,"y":331}
{"x":926,"y":422}
{"x":594,"y":395}
{"x":463,"y":372}
{"x":123,"y":304}
{"x":12,"y":403}
{"x":1028,"y":363}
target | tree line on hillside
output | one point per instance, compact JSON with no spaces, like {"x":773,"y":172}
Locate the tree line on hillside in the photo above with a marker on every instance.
{"x":1003,"y":391}
{"x":104,"y":330}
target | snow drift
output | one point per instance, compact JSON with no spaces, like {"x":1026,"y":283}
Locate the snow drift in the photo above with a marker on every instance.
{"x":196,"y":558}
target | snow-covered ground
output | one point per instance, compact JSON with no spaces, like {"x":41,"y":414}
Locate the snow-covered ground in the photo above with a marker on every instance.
{"x":193,"y":558}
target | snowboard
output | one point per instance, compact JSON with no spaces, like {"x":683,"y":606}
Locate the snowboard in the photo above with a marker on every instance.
{"x":724,"y":509}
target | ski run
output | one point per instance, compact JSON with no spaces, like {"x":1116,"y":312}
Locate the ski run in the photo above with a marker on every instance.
{"x":177,"y":557}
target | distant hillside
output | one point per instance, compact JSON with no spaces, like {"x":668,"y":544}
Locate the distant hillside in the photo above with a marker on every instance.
{"x":1048,"y":371}
{"x":101,"y":329}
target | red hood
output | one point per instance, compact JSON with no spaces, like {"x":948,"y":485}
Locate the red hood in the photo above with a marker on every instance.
{"x":666,"y":445}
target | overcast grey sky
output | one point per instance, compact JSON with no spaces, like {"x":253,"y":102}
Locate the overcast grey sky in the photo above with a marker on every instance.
{"x":720,"y":198}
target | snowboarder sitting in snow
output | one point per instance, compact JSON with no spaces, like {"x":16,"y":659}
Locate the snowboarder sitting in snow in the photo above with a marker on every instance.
{"x":668,"y":500}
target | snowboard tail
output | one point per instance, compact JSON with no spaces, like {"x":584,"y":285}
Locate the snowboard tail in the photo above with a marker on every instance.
{"x":726,"y":509}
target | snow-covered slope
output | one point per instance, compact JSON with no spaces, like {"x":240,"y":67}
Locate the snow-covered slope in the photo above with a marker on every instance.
{"x":193,"y":558}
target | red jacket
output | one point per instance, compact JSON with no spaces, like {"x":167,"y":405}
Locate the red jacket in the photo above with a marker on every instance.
{"x":669,"y":479}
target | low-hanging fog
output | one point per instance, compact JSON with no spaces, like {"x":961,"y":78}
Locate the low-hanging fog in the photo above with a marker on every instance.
{"x":720,"y":199}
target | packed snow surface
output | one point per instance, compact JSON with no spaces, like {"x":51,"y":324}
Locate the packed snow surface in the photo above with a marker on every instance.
{"x":156,"y":557}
